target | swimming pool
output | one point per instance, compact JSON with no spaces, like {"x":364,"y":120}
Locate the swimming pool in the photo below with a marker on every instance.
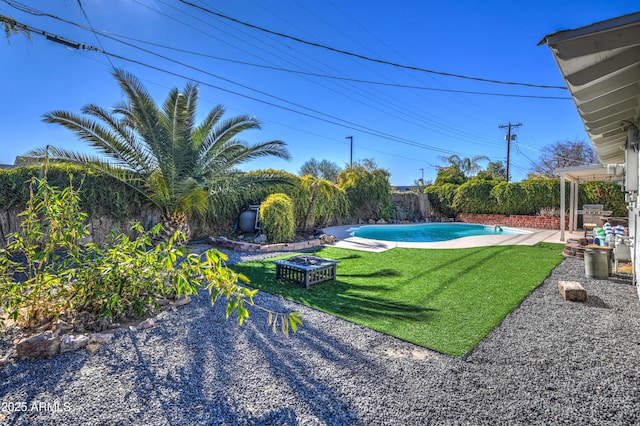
{"x":428,"y":232}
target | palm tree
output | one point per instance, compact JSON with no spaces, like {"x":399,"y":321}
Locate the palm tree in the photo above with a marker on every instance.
{"x":161,"y":152}
{"x":466,"y":165}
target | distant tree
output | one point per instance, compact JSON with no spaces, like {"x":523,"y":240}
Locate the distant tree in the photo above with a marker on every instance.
{"x":468,"y":166}
{"x":563,"y":154}
{"x":325,"y":169}
{"x":495,"y":170}
{"x":419,"y":185}
{"x":450,"y":174}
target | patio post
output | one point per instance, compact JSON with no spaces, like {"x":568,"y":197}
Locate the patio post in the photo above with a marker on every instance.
{"x":575,"y":206}
{"x":572,"y":206}
{"x":562,"y":206}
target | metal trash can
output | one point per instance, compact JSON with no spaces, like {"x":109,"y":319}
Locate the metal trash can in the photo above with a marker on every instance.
{"x":597,"y":263}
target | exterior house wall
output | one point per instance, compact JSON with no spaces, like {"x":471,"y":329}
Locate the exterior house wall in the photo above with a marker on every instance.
{"x":632,"y":187}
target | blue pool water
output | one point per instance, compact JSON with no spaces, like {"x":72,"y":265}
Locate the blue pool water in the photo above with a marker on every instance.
{"x":427,"y":232}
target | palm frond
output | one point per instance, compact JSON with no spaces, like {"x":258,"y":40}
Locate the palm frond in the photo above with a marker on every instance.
{"x":192,"y":197}
{"x":127,"y":143}
{"x":224,"y":132}
{"x":235,"y":153}
{"x":237,"y":181}
{"x":202,"y":131}
{"x":97,"y":136}
{"x":142,"y":114}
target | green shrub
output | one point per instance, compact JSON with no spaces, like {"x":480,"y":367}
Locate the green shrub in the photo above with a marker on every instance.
{"x":474,"y":196}
{"x":46,"y":271}
{"x":510,"y":198}
{"x":609,"y":194}
{"x":278,"y":221}
{"x":541,"y":193}
{"x":368,"y":190}
{"x":441,"y":198}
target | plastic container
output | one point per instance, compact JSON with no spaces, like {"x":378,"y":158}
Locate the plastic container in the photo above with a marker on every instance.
{"x":247,"y":221}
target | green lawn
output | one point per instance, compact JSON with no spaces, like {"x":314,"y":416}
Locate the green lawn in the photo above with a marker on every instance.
{"x":446,"y":300}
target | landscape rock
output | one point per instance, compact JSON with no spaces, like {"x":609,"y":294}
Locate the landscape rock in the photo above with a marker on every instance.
{"x":73,"y":342}
{"x":41,"y":345}
{"x":41,"y":326}
{"x":62,"y":327}
{"x":161,"y":301}
{"x":148,"y":323}
{"x":572,"y":290}
{"x":260,"y":239}
{"x":101,"y":338}
{"x":381,"y":222}
{"x":181,"y":301}
{"x":328,"y":239}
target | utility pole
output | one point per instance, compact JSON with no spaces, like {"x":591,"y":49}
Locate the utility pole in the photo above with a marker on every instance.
{"x":509,"y":138}
{"x":351,"y":151}
{"x":422,"y":178}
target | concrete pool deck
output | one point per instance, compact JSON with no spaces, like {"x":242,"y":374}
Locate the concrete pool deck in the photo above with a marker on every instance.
{"x":533,"y":236}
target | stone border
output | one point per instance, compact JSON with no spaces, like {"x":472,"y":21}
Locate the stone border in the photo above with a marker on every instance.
{"x":245,"y":246}
{"x":59,"y":340}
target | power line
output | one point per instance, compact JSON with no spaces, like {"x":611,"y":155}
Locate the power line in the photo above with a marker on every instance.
{"x":435,"y":126}
{"x":366,"y":58}
{"x":86,"y":17}
{"x":327,"y":76}
{"x":449,"y":130}
{"x":341,"y":122}
{"x":90,"y":48}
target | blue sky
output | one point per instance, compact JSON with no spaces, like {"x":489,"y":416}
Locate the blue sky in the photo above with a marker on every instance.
{"x":404,"y":129}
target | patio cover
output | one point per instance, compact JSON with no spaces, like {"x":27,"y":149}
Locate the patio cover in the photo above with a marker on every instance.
{"x":601,"y":66}
{"x":577,"y":175}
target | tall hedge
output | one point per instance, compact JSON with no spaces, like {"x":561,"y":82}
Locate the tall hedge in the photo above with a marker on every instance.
{"x":509,"y":198}
{"x":331,"y":205}
{"x":99,"y":194}
{"x":329,"y":209}
{"x":441,"y":198}
{"x":528,"y":197}
{"x":542,"y":193}
{"x":278,"y":220}
{"x":609,"y":194}
{"x":225,"y":207}
{"x":474,"y":196}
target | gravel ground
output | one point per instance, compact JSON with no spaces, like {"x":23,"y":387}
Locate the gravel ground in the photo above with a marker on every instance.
{"x":549,"y":362}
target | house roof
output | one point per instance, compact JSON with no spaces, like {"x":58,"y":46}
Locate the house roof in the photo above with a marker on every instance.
{"x":601,"y":66}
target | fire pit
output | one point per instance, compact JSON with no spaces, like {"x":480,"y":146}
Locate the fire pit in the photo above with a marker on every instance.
{"x":305,"y":270}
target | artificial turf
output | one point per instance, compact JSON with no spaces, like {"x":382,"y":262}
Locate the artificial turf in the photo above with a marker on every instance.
{"x":446,"y":300}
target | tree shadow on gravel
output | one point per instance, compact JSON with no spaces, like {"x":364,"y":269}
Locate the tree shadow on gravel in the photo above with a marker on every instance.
{"x":196,"y":367}
{"x":293,"y":371}
{"x":229,"y":374}
{"x":34,"y":382}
